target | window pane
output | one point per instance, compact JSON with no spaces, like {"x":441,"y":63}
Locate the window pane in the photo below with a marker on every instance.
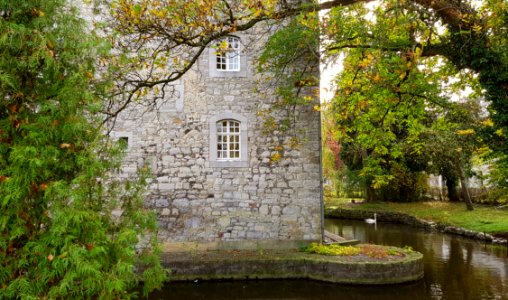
{"x":233,"y":42}
{"x":228,"y":139}
{"x":233,"y":61}
{"x":221,"y":60}
{"x":228,"y":56}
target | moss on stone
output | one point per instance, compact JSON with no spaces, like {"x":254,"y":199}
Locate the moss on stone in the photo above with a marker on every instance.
{"x":360,"y":269}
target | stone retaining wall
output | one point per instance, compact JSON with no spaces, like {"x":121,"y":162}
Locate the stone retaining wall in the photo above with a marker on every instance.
{"x":336,"y":269}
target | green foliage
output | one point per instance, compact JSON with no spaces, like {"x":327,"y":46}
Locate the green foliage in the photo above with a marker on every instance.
{"x":332,"y":250}
{"x":374,"y":251}
{"x":498,"y":175}
{"x":405,"y":185}
{"x":289,"y":61}
{"x":68,"y":228}
{"x":392,"y":111}
{"x":408,"y":249}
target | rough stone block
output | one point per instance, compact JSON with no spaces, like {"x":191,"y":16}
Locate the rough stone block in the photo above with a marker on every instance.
{"x":166,"y":186}
{"x":161,"y":203}
{"x":291,"y":210}
{"x":263,"y":210}
{"x":276,"y":210}
{"x":180,"y":203}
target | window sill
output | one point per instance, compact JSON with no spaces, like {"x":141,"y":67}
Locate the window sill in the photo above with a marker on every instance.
{"x":227,"y":73}
{"x":229,"y":164}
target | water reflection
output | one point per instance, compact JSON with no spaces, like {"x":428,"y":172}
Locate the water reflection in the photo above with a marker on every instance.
{"x":455,"y":268}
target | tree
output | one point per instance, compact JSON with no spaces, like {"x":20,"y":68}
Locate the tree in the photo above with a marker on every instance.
{"x":451,"y":141}
{"x":379,"y":109}
{"x":68,"y":229}
{"x":389,"y":96}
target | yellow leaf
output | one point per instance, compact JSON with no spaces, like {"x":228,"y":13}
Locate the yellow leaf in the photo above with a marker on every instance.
{"x":488,"y":123}
{"x":465,"y":131}
{"x":477,"y":28}
{"x":418,"y":51}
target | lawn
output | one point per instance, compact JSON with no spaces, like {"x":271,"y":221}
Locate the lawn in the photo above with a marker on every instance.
{"x":486,"y":219}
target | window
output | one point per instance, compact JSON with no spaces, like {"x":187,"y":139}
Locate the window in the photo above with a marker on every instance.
{"x":124,"y":139}
{"x":228,"y":54}
{"x":123,"y":142}
{"x":228,"y":140}
{"x":227,"y":58}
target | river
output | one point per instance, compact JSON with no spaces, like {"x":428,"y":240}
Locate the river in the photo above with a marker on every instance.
{"x":455,"y":268}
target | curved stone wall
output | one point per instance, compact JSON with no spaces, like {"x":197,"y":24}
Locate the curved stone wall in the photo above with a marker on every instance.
{"x":284,"y":265}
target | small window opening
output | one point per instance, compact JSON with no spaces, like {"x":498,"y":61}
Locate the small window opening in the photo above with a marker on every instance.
{"x":123,"y":141}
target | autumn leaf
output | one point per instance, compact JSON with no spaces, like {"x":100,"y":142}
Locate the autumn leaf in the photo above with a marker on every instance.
{"x":65,"y":146}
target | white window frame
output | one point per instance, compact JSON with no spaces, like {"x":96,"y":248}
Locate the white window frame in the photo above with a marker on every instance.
{"x":242,"y":69}
{"x":216,"y":132}
{"x":227,"y":57}
{"x":228,"y":140}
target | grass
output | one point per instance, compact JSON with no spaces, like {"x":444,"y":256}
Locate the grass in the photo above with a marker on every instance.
{"x":483,"y":218}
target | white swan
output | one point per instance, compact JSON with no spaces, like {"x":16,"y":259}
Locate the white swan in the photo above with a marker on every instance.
{"x":372,"y":221}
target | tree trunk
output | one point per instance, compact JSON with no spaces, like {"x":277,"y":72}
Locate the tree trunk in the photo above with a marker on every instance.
{"x":370,"y":194}
{"x":451,"y":186}
{"x":465,"y":190}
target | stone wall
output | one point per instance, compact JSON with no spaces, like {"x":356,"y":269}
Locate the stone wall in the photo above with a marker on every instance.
{"x":251,"y":202}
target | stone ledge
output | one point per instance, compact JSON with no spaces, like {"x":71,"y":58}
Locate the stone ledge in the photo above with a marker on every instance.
{"x":244,"y":245}
{"x":241,"y":265}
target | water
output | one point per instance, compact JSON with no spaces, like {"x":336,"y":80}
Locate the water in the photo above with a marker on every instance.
{"x":455,"y":268}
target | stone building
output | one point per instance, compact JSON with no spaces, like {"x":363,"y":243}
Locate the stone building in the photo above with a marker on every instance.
{"x":215,"y":183}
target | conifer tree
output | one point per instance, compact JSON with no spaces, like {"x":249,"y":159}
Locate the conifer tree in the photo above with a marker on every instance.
{"x":68,"y":230}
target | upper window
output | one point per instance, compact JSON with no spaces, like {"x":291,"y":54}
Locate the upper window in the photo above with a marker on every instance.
{"x":228,"y":140}
{"x":227,"y":58}
{"x":228,"y":54}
